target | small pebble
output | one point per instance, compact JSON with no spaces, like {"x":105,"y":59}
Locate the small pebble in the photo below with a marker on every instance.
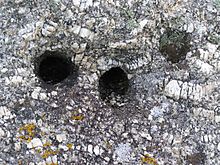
{"x":61,"y":137}
{"x":218,"y":147}
{"x":90,"y":148}
{"x":96,"y":150}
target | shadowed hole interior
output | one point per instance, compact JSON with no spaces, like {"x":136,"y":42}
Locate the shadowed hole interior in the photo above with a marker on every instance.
{"x":174,"y":45}
{"x":113,"y":81}
{"x":53,"y":67}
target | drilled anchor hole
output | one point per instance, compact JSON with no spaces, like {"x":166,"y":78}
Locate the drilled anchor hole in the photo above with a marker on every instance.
{"x":174,"y":45}
{"x":53,"y":67}
{"x":113,"y":82}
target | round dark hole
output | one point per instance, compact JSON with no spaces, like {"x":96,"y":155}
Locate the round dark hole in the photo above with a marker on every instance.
{"x":53,"y":67}
{"x":113,"y":81}
{"x":174,"y":45}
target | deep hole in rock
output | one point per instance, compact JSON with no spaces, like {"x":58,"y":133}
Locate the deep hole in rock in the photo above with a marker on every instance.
{"x":196,"y":158}
{"x":113,"y":81}
{"x":174,"y":45}
{"x":53,"y":67}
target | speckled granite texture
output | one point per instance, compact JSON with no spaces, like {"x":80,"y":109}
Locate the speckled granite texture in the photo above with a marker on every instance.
{"x":162,"y":105}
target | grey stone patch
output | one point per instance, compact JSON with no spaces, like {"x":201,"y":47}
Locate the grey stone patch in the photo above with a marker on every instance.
{"x":123,"y":153}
